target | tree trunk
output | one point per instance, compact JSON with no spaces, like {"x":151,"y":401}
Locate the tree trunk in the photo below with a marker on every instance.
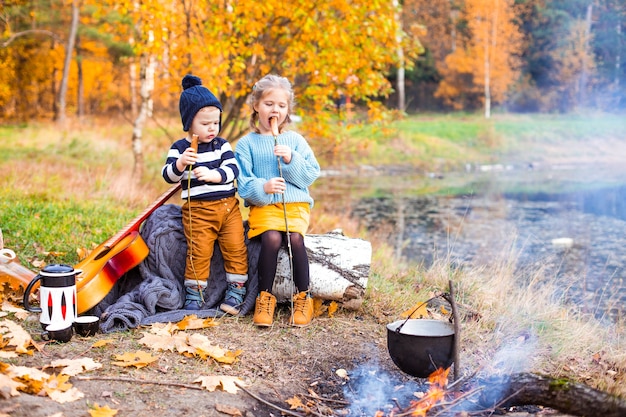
{"x":80,"y":96}
{"x":146,"y":86}
{"x":400,"y":51}
{"x":69,"y":49}
{"x":562,"y":395}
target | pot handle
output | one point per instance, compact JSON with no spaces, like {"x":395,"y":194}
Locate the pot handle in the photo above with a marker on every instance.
{"x":397,"y":329}
{"x":27,"y":295}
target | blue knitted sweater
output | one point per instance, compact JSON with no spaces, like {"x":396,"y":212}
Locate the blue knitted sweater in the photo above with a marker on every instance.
{"x":257,"y":163}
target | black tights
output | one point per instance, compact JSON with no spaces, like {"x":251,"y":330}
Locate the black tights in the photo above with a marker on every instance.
{"x":271,"y":241}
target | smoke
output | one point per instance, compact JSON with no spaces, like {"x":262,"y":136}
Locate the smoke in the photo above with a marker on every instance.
{"x":370,"y":390}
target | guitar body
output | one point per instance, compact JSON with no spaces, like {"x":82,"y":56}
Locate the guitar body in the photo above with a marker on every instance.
{"x":112,"y":259}
{"x":104,"y":266}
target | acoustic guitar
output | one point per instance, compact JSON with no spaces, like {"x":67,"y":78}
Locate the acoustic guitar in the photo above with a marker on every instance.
{"x":112,"y":259}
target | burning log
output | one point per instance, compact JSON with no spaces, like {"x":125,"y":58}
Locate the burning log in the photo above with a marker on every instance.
{"x":560,"y":394}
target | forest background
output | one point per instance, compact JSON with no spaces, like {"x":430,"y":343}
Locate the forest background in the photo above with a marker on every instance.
{"x":87,"y":59}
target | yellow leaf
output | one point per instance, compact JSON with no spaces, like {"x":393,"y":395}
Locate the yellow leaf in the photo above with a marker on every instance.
{"x":332,"y":308}
{"x":103,"y":342}
{"x":97,"y":411}
{"x":57,"y":383}
{"x":227,"y":383}
{"x":137,"y":359}
{"x":318,"y":307}
{"x":294,"y":403}
{"x":158,"y":342}
{"x":193,"y":322}
{"x":418,"y":311}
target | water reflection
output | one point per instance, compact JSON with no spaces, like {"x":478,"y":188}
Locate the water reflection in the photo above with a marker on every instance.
{"x":575,"y":234}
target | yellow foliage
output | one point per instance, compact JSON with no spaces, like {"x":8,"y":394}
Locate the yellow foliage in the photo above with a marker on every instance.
{"x":138,"y":359}
{"x":98,"y":411}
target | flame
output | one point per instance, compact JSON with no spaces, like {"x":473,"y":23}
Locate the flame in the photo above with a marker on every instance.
{"x":438,"y":381}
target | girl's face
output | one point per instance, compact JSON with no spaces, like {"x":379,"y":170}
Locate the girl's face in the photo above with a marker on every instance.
{"x":273,"y":103}
{"x":206,"y":124}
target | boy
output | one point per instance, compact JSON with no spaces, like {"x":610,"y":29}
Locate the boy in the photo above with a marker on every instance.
{"x":211,"y":210}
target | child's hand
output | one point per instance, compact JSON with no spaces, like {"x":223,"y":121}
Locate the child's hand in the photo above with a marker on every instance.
{"x":283,"y":151}
{"x":274,"y":186}
{"x":189,"y":157}
{"x":207,"y":175}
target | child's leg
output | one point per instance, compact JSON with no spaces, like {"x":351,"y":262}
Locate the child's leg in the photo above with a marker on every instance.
{"x":271,"y":242}
{"x":200,"y":233}
{"x":300,"y":262}
{"x":235,"y":254}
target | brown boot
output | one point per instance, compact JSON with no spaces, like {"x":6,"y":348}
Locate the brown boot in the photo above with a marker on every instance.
{"x":302,"y":309}
{"x":264,"y":309}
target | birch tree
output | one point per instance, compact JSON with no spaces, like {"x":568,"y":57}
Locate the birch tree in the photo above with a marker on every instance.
{"x":488,"y":64}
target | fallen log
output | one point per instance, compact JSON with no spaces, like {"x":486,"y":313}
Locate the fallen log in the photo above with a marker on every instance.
{"x":559,"y":394}
{"x":339,"y":269}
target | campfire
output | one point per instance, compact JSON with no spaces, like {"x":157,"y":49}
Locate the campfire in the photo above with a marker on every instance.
{"x":438,"y":381}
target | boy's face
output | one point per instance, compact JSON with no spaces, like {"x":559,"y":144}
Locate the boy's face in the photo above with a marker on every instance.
{"x":206,"y":124}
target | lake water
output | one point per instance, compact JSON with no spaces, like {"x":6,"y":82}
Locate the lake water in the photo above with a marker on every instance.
{"x":568,"y":221}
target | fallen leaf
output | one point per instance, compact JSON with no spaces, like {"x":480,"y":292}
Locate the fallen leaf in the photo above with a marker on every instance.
{"x":318,"y":307}
{"x":97,"y":411}
{"x":19,"y":312}
{"x":103,"y":342}
{"x":16,"y":336}
{"x":226,"y":409}
{"x":158,"y":342}
{"x":68,"y":396}
{"x":8,"y":384}
{"x":73,"y":367}
{"x":137,"y":359}
{"x":227,"y":383}
{"x":418,"y":311}
{"x":294,"y":403}
{"x":332,"y":308}
{"x":192,"y":322}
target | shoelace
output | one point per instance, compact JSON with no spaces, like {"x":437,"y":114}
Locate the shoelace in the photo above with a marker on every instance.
{"x":300,"y":304}
{"x":264,"y":305}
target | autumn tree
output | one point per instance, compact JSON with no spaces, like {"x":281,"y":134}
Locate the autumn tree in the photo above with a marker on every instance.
{"x":487,"y":63}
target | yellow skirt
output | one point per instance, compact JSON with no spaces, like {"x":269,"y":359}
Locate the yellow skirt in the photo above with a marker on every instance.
{"x":272,"y":217}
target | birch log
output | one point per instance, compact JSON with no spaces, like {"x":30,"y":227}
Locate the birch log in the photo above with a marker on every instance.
{"x":339,"y":269}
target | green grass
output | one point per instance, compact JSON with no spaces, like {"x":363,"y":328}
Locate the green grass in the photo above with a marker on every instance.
{"x":53,"y":230}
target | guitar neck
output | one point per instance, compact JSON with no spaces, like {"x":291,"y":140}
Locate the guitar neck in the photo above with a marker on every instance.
{"x":136,"y":222}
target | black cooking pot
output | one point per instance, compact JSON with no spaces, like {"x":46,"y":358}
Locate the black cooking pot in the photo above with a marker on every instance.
{"x":421,"y":346}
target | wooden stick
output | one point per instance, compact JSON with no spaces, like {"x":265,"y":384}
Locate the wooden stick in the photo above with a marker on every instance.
{"x":457,"y":332}
{"x":137,"y":381}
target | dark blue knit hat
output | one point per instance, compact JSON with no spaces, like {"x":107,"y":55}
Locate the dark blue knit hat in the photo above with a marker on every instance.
{"x":194,"y":97}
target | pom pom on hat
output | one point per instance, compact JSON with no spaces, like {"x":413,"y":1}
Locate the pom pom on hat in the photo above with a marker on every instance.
{"x":193,"y":98}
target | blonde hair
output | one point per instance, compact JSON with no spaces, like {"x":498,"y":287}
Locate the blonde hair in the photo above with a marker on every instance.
{"x":265,"y":84}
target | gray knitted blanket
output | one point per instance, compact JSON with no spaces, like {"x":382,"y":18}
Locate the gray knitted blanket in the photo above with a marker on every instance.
{"x":153,"y":291}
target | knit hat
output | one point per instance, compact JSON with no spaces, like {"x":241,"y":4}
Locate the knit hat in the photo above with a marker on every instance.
{"x":194,"y":97}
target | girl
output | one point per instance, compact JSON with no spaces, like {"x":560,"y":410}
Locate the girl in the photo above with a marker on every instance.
{"x":264,"y":190}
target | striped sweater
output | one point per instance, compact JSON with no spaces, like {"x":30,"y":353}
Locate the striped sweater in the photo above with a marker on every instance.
{"x":256,"y":159}
{"x":217,"y":154}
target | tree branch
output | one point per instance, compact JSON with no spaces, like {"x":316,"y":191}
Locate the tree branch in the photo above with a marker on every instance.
{"x":30,"y":32}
